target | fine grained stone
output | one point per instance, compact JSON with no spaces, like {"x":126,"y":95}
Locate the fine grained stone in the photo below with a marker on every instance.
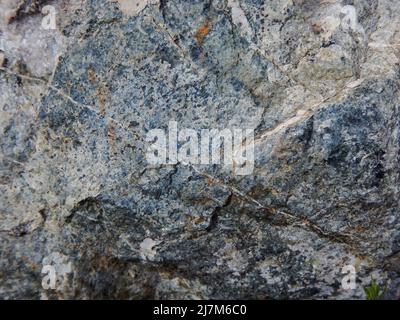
{"x":318,"y":81}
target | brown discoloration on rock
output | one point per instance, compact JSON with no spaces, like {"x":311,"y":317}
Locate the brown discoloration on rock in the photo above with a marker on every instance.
{"x":112,"y":137}
{"x":202,"y":33}
{"x":102,"y":93}
{"x":92,"y":75}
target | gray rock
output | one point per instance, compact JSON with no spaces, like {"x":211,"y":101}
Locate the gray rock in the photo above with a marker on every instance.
{"x":318,"y":83}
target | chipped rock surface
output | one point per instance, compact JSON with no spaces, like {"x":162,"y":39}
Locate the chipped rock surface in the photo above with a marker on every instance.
{"x":317,"y":81}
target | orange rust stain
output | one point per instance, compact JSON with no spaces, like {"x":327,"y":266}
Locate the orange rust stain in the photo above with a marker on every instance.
{"x":202,"y":33}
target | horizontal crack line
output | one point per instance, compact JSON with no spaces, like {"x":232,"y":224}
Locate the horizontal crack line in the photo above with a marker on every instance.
{"x":344,"y":238}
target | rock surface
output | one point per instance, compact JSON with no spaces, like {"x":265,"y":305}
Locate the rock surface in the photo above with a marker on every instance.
{"x":318,"y":81}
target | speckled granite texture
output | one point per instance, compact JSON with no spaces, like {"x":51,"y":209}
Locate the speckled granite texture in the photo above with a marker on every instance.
{"x":318,"y":81}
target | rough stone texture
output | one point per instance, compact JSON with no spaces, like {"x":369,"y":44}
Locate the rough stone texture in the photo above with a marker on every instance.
{"x":75,"y":186}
